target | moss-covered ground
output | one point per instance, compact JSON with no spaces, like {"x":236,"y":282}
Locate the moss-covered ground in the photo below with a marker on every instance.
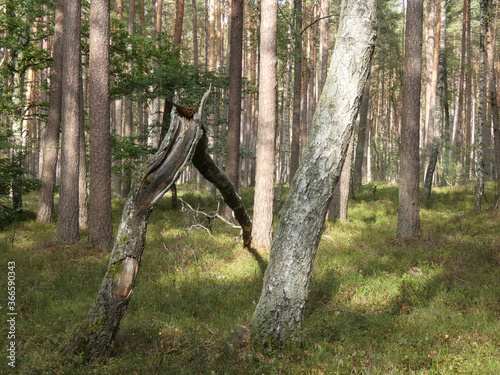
{"x":377,"y":305}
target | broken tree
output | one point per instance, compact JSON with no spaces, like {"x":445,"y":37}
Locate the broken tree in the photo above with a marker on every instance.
{"x":180,"y":144}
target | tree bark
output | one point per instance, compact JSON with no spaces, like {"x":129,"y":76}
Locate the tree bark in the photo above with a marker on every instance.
{"x":323,"y":42}
{"x":128,"y":126}
{"x":297,"y":91}
{"x":50,"y":146}
{"x":100,"y":221}
{"x":340,"y":198}
{"x":480,"y":107}
{"x":492,"y":90}
{"x":195,"y":33}
{"x":409,"y":208}
{"x":264,"y":179}
{"x":234,"y":93}
{"x":431,"y":75}
{"x":437,"y":122}
{"x":357,"y":179}
{"x":179,"y":21}
{"x":280,"y":310}
{"x":68,"y":213}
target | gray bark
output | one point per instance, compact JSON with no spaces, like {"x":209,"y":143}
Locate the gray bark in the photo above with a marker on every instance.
{"x":280,"y":310}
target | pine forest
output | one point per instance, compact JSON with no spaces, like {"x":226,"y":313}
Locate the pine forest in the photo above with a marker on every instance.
{"x":250,"y":187}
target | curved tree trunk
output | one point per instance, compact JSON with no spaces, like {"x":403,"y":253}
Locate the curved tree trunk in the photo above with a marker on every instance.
{"x":280,"y":310}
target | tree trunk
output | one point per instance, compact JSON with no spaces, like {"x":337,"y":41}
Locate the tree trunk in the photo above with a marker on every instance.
{"x":128,"y":126}
{"x":234,"y":95}
{"x":264,"y":179}
{"x":340,"y":197}
{"x":409,"y":209}
{"x":357,"y":179}
{"x":50,"y":145}
{"x":155,"y":178}
{"x":68,"y":213}
{"x":480,"y":108}
{"x":297,"y":91}
{"x":100,"y":221}
{"x":280,"y":310}
{"x":323,"y":42}
{"x":83,"y":202}
{"x":179,"y":21}
{"x":467,"y":139}
{"x":195,"y":33}
{"x":439,"y":63}
{"x":457,"y":134}
{"x":431,"y":76}
{"x":492,"y":89}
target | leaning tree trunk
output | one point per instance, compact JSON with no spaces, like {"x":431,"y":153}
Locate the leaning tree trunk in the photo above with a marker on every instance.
{"x":103,"y":321}
{"x":280,"y":310}
{"x":208,"y":169}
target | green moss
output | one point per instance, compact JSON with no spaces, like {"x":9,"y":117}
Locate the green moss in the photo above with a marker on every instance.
{"x":115,"y":270}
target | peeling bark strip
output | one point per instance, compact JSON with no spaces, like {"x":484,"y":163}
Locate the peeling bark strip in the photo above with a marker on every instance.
{"x":102,"y":323}
{"x":280,"y":310}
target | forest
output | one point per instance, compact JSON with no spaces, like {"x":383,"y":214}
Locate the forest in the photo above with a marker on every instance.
{"x":250,"y":187}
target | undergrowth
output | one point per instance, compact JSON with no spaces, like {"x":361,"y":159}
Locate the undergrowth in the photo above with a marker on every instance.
{"x":376,"y":306}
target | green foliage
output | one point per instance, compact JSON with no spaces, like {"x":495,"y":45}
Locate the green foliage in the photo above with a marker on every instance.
{"x":377,"y":305}
{"x":127,"y":150}
{"x":12,"y":172}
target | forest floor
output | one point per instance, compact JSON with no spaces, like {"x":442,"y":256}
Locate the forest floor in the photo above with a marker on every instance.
{"x":377,"y":305}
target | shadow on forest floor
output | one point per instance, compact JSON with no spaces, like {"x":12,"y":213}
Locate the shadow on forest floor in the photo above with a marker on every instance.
{"x":377,"y":305}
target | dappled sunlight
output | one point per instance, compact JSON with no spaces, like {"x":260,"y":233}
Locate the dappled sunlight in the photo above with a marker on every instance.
{"x":376,"y":304}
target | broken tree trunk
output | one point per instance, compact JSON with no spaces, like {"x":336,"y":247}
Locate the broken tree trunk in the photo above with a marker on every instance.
{"x":102,"y":323}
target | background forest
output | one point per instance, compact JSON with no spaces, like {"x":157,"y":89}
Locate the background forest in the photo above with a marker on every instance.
{"x":85,"y":103}
{"x":148,"y":66}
